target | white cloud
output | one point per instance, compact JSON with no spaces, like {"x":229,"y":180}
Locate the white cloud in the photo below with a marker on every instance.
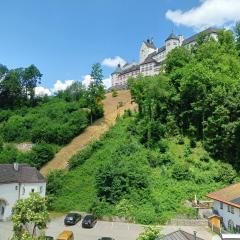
{"x":87,"y":80}
{"x":41,"y":91}
{"x":107,"y":82}
{"x":219,"y":13}
{"x":60,"y":86}
{"x":113,"y":62}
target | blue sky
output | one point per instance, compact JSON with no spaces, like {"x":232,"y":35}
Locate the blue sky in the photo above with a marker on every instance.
{"x":63,"y":38}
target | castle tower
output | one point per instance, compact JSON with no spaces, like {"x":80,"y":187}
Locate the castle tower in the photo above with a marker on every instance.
{"x":171,"y":42}
{"x":146,"y":48}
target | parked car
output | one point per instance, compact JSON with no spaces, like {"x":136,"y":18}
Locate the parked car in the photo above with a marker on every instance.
{"x":66,"y":235}
{"x":48,"y":238}
{"x":106,"y":238}
{"x":89,"y":221}
{"x":72,"y":218}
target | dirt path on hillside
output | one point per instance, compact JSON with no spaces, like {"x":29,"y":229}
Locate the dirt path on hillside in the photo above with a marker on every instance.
{"x":92,"y":132}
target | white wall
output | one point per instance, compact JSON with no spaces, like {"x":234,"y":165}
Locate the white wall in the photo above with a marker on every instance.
{"x":227,"y":215}
{"x":26,"y":189}
{"x":9,"y":193}
{"x":14,"y":191}
{"x":144,"y":52}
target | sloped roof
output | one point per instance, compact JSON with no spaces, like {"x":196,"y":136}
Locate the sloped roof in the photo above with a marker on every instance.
{"x":179,"y":235}
{"x":172,"y":36}
{"x":25,"y":174}
{"x":150,"y":44}
{"x":130,"y":69}
{"x":194,"y":37}
{"x":229,"y":195}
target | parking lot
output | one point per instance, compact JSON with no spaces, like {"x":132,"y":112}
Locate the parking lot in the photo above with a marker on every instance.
{"x":117,"y":230}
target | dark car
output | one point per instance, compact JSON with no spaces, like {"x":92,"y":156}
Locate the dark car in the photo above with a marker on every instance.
{"x":89,"y":221}
{"x":106,"y":238}
{"x":48,"y":238}
{"x":72,"y":218}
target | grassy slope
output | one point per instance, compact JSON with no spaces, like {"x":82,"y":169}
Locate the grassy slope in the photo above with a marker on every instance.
{"x":169,"y":194}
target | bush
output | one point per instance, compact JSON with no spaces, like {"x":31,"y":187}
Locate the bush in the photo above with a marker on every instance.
{"x":83,"y":155}
{"x":101,"y":208}
{"x":205,"y":157}
{"x":41,"y":154}
{"x":163,"y":146}
{"x":116,"y":179}
{"x":55,"y":181}
{"x":150,"y":233}
{"x":114,"y":93}
{"x":181,"y":171}
{"x":193,"y":143}
{"x":180,"y":139}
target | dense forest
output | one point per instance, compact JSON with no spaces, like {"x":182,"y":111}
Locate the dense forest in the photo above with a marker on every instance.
{"x":48,"y":122}
{"x":184,"y":140}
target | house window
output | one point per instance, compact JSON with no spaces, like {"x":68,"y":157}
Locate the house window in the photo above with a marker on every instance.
{"x":2,"y":211}
{"x":16,"y":187}
{"x":32,"y":190}
{"x":41,"y":189}
{"x":228,"y":208}
{"x":221,"y":205}
{"x":23,"y":191}
{"x":232,"y":210}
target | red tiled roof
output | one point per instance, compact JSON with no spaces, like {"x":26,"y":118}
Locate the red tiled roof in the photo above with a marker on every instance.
{"x":229,"y":195}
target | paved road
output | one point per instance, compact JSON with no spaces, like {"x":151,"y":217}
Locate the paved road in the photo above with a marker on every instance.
{"x":119,"y":231}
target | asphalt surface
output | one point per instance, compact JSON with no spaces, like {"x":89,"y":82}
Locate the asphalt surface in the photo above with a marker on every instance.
{"x":117,"y":230}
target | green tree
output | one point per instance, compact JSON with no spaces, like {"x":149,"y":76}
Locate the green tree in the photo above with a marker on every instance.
{"x":96,"y":92}
{"x":29,"y":215}
{"x":150,"y":233}
{"x":31,"y":78}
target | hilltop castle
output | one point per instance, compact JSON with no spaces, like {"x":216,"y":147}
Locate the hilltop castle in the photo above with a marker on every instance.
{"x":152,"y":58}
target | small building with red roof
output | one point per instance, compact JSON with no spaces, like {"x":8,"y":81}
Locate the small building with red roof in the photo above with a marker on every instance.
{"x":227,"y":205}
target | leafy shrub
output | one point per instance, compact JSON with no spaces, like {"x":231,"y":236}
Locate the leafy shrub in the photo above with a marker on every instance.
{"x":181,"y":171}
{"x":84,"y":154}
{"x":163,"y":146}
{"x":193,"y":143}
{"x":180,"y":139}
{"x":100,"y":208}
{"x":150,"y":233}
{"x":205,"y":157}
{"x":187,"y":150}
{"x":55,"y":181}
{"x":115,"y":180}
{"x":41,"y":154}
{"x":114,"y":93}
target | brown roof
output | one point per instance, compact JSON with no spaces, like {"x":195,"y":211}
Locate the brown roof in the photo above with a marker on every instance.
{"x":24,"y":174}
{"x":179,"y":235}
{"x":229,"y":195}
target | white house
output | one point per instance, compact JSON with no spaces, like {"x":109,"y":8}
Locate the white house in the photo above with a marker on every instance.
{"x":151,"y":58}
{"x":17,"y":181}
{"x":227,"y":205}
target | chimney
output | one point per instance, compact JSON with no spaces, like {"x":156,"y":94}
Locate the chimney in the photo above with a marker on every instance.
{"x":16,"y":166}
{"x":195,"y":235}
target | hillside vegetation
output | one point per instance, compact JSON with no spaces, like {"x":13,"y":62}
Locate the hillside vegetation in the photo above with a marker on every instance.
{"x":113,"y":107}
{"x":183,"y":141}
{"x":46,"y":122}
